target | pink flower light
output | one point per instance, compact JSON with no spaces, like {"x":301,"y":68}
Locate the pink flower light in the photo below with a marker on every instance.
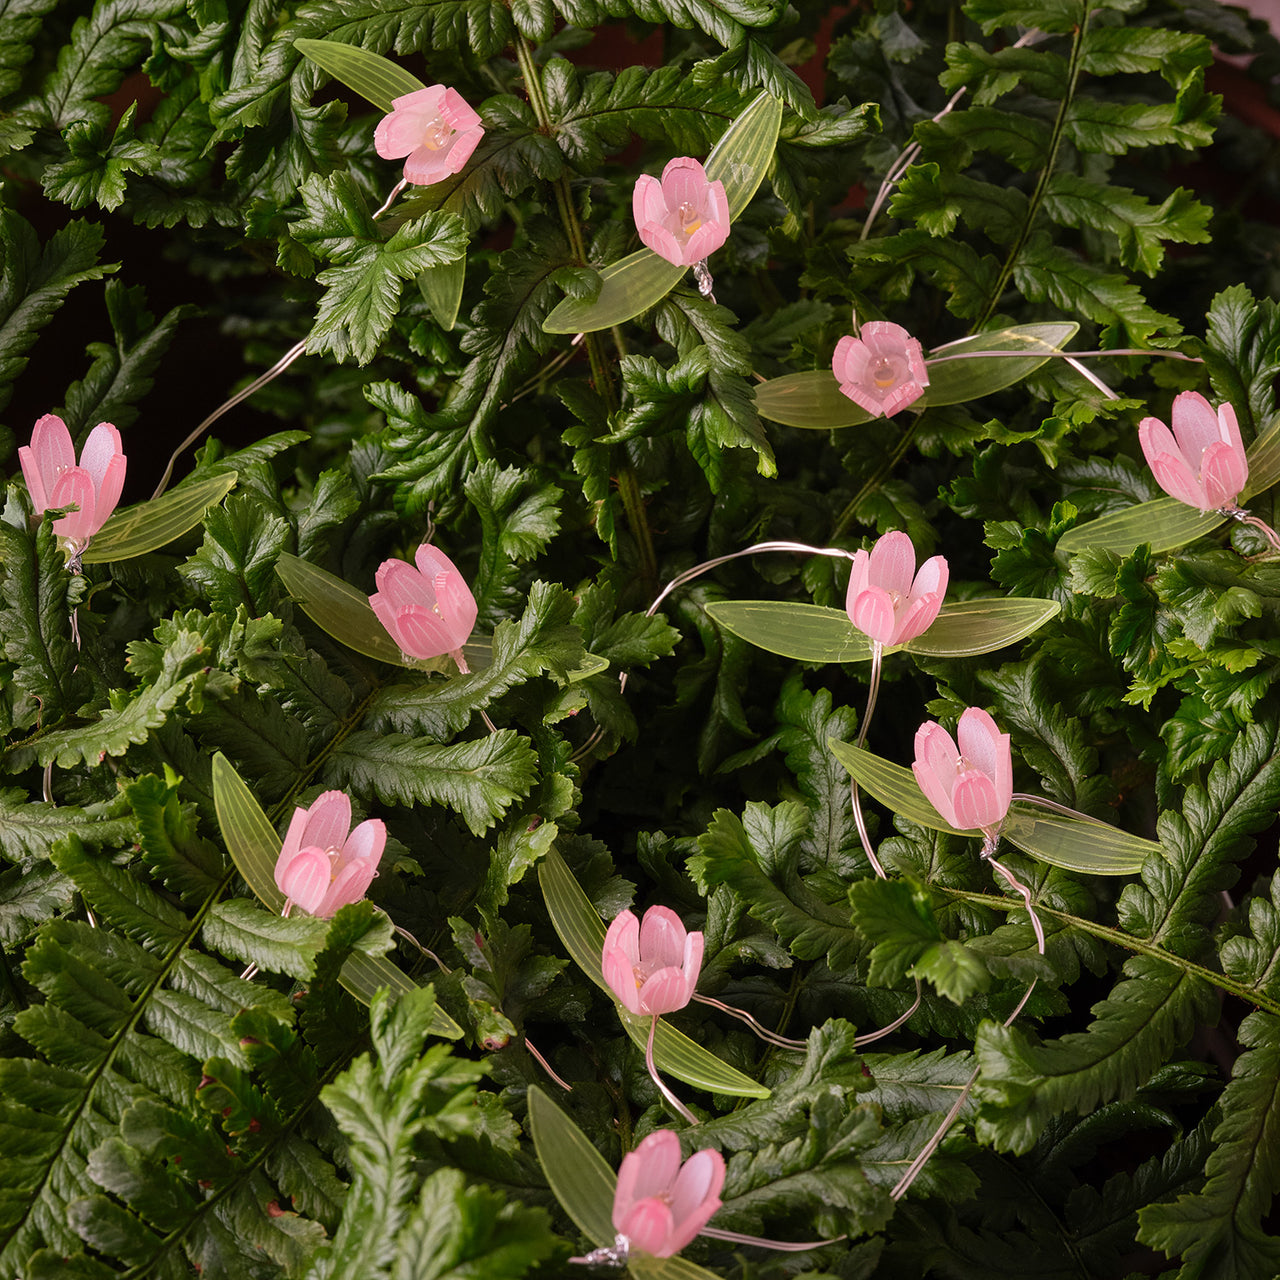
{"x":1201,"y":461}
{"x":435,"y":128}
{"x":883,"y":601}
{"x":323,"y":864}
{"x":427,"y":611}
{"x":652,"y":967}
{"x":970,"y":786}
{"x":54,"y":480}
{"x":661,"y":1204}
{"x":683,"y":218}
{"x":883,"y":370}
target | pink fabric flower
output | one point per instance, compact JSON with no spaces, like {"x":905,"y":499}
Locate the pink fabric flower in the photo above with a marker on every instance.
{"x":970,"y":786}
{"x":1201,"y":461}
{"x":435,"y":128}
{"x":883,"y":602}
{"x":323,"y":864}
{"x":427,"y":611}
{"x":652,"y":967}
{"x":54,"y":480}
{"x":660,"y":1204}
{"x":882,"y":371}
{"x":684,"y":218}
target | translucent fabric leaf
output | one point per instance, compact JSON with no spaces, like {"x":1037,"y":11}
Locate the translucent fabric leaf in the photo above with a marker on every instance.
{"x":150,"y":525}
{"x":1166,"y":523}
{"x":441,"y":289}
{"x":339,"y":609}
{"x":1074,"y":842}
{"x":814,"y":399}
{"x":585,"y":1186}
{"x":813,"y":633}
{"x":582,"y":932}
{"x":740,"y":160}
{"x":369,"y":74}
{"x":254,"y":845}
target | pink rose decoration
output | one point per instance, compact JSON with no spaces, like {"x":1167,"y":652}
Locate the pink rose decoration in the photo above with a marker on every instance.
{"x":970,"y":786}
{"x":323,"y":864}
{"x":883,"y":370}
{"x":684,"y":218}
{"x":883,"y":601}
{"x":661,"y":1204}
{"x":435,"y":128}
{"x":428,"y":610}
{"x":1201,"y":461}
{"x":54,"y":480}
{"x":652,"y":967}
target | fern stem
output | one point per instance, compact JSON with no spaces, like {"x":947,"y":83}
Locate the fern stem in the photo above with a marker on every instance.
{"x":882,"y":473}
{"x":1046,"y":174}
{"x":601,"y":376}
{"x":1127,"y":942}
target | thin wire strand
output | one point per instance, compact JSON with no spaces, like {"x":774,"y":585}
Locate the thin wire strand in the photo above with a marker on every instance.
{"x":877,"y":656}
{"x":780,"y":1246}
{"x":782,"y":1042}
{"x":1019,"y":887}
{"x":895,"y":1024}
{"x":672,"y":1101}
{"x":932,"y":1145}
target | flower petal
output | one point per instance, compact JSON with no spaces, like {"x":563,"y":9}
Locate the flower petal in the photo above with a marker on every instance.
{"x":305,"y":879}
{"x":873,"y":615}
{"x":328,"y":821}
{"x":349,"y":885}
{"x":1223,"y":473}
{"x":893,"y":562}
{"x":365,"y":843}
{"x":662,"y":937}
{"x":74,"y":488}
{"x":648,"y":1228}
{"x":665,"y":991}
{"x":976,"y":803}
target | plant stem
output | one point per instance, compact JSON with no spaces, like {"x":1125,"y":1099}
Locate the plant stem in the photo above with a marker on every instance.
{"x":628,"y":483}
{"x":1036,"y":198}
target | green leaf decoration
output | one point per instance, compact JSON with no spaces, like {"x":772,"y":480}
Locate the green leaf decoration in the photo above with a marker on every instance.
{"x":814,"y":399}
{"x":344,"y":613}
{"x":254,"y":846}
{"x":1075,"y":843}
{"x":577,"y":1173}
{"x":441,"y":289}
{"x":369,"y":74}
{"x":813,"y":633}
{"x":1165,"y":523}
{"x":582,"y":932}
{"x":150,"y":525}
{"x":740,"y":160}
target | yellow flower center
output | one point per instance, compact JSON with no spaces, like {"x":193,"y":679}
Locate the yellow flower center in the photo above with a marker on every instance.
{"x":689,"y":218}
{"x":436,"y":134}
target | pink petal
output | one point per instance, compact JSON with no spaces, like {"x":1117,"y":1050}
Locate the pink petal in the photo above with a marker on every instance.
{"x":35,"y":483}
{"x":99,"y":449}
{"x":458,"y":113}
{"x":401,"y":585}
{"x":706,"y":240}
{"x":401,"y":132}
{"x":696,"y":1196}
{"x":920,"y":615}
{"x":976,"y":802}
{"x":850,"y":361}
{"x":883,"y":337}
{"x":74,"y":488}
{"x":109,"y":490}
{"x":868,"y":403}
{"x":292,"y":843}
{"x":51,"y":445}
{"x":935,"y":767}
{"x":328,"y":821}
{"x":1195,"y":426}
{"x":1179,"y":481}
{"x":873,"y":615}
{"x":899,"y":397}
{"x":463,"y":145}
{"x":423,"y":633}
{"x":305,"y":879}
{"x":893,"y":562}
{"x":1223,"y":473}
{"x":663,"y":243}
{"x":647,"y":203}
{"x":457,"y":606}
{"x":365,"y":843}
{"x":684,"y":181}
{"x":980,"y":740}
{"x":425,"y":166}
{"x":649,"y":1170}
{"x":662,"y":937}
{"x":385,"y":614}
{"x":620,"y":977}
{"x":349,"y":885}
{"x":718,"y":205}
{"x":665,"y":992}
{"x":859,"y":576}
{"x":693,"y":947}
{"x":933,"y":577}
{"x":648,"y":1227}
{"x":1229,"y":427}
